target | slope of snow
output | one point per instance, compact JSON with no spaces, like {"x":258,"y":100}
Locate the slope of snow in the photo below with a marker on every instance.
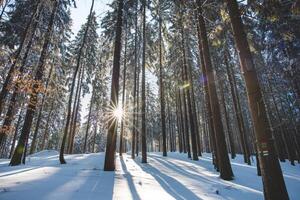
{"x":172,"y":177}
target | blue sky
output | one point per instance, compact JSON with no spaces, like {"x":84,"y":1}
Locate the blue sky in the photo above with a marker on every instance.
{"x":79,"y":17}
{"x":80,"y":13}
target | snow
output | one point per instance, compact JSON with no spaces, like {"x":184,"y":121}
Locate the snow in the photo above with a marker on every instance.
{"x":172,"y":177}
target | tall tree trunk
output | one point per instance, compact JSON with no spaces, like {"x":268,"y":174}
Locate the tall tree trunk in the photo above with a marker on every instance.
{"x":169,"y":120}
{"x":134,"y":116}
{"x":31,"y":107}
{"x":76,"y":111}
{"x":161,"y":87}
{"x":238,"y":113}
{"x":178,"y":123}
{"x":186,"y":125}
{"x":184,"y":128}
{"x":282,"y":133}
{"x":223,"y":159}
{"x":137,"y":134}
{"x":229,"y":131}
{"x":46,"y":134}
{"x":95,"y":133}
{"x":187,"y":90}
{"x":62,"y":148}
{"x":88,"y":122}
{"x":210,"y":126}
{"x":15,"y":134}
{"x":269,"y":164}
{"x":143,"y":106}
{"x":73,"y":121}
{"x":279,"y":144}
{"x":109,"y":163}
{"x":123,"y":91}
{"x":194,"y":109}
{"x":39,"y":118}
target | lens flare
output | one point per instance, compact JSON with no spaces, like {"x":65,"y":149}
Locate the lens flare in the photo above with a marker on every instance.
{"x":118,"y":113}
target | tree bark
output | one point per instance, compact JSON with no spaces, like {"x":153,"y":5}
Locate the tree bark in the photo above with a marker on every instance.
{"x":143,"y":106}
{"x":161,"y":88}
{"x":237,"y":110}
{"x":76,"y":111}
{"x":39,"y":118}
{"x":88,"y":122}
{"x":223,"y":159}
{"x":109,"y":163}
{"x":187,"y":90}
{"x":123,"y":92}
{"x":73,"y":112}
{"x":133,"y":142}
{"x":15,"y":135}
{"x":229,"y":131}
{"x":46,"y":134}
{"x":269,"y":164}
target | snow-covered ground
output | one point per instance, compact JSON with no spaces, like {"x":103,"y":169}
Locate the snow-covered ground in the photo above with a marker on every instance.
{"x":172,"y":177}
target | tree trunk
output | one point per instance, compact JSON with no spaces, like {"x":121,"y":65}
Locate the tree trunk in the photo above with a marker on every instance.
{"x":161,"y":88}
{"x":39,"y":118}
{"x":133,"y":142}
{"x":88,"y":122}
{"x":186,"y":89}
{"x":269,"y":164}
{"x":62,"y":148}
{"x":109,"y":164}
{"x":210,"y":126}
{"x":182,"y":121}
{"x":178,"y":123}
{"x":15,"y":135}
{"x":123,"y":92}
{"x":185,"y":116}
{"x":238,"y":113}
{"x":194,"y":109}
{"x":76,"y":111}
{"x":283,"y":133}
{"x":31,"y":107}
{"x":229,"y":131}
{"x":45,"y":135}
{"x":143,"y":106}
{"x":223,"y":159}
{"x":73,"y":115}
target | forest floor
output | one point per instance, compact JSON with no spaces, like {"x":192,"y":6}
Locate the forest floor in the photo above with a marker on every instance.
{"x":172,"y":177}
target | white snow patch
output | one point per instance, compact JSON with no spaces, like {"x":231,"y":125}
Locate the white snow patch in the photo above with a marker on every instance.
{"x":172,"y":177}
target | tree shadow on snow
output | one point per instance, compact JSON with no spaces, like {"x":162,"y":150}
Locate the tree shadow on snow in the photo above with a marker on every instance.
{"x":129,"y":179}
{"x":169,"y":184}
{"x":246,"y":188}
{"x":63,"y":182}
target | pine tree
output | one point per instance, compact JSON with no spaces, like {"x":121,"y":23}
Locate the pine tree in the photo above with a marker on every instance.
{"x":79,"y":55}
{"x":161,"y":83}
{"x":20,"y":152}
{"x":223,"y":160}
{"x":109,"y":164}
{"x":143,"y":106}
{"x":269,"y":164}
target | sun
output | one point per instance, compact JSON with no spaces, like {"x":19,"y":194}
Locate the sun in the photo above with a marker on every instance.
{"x":118,"y":113}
